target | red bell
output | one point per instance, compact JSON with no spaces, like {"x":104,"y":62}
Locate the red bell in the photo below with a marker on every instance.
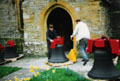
{"x":99,"y":43}
{"x":53,"y":44}
{"x":57,"y":52}
{"x":89,"y":45}
{"x":11,"y":43}
{"x":1,"y":53}
{"x":57,"y":41}
{"x":103,"y":67}
{"x":114,"y":44}
{"x":1,"y":47}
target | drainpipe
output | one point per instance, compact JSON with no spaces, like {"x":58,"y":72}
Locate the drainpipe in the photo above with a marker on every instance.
{"x":18,"y":9}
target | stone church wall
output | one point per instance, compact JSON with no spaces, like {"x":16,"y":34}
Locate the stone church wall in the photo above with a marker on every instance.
{"x":89,"y":11}
{"x":8,"y":20}
{"x":9,"y":24}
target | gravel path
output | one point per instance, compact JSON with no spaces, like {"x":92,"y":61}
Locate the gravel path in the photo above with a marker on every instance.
{"x":26,"y":62}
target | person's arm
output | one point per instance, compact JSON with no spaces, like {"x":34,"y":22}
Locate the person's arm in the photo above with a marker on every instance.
{"x":48,"y":38}
{"x":75,"y":31}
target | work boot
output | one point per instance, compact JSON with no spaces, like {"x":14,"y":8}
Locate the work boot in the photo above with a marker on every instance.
{"x":85,"y":62}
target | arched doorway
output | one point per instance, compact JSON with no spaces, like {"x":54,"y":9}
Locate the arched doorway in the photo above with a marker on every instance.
{"x":63,"y":25}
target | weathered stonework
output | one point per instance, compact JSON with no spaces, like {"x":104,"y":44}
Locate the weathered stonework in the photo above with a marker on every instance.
{"x":35,"y":14}
{"x":35,"y":48}
{"x":8,"y":20}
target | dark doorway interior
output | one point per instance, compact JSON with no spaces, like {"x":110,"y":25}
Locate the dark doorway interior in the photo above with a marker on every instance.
{"x":63,"y":25}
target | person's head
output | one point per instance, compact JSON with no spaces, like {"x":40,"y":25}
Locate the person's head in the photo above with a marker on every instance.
{"x":77,"y":21}
{"x":51,"y":27}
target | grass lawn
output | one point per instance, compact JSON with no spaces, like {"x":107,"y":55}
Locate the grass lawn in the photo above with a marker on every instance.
{"x":5,"y":70}
{"x":58,"y":74}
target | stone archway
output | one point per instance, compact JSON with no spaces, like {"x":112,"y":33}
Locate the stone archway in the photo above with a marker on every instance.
{"x":48,"y":9}
{"x":63,"y":25}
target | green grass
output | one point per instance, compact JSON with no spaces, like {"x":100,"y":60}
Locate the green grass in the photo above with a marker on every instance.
{"x":5,"y":70}
{"x":61,"y":74}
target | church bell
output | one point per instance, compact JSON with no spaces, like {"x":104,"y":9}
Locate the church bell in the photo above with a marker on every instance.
{"x":1,"y":56}
{"x":10,"y":52}
{"x":1,"y":53}
{"x":57,"y":55}
{"x":103,"y":67}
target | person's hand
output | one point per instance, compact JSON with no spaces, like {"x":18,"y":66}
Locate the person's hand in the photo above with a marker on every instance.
{"x":71,"y":37}
{"x":58,"y":36}
{"x":51,"y":40}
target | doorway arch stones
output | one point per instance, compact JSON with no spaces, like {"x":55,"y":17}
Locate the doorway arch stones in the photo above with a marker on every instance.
{"x":47,"y":10}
